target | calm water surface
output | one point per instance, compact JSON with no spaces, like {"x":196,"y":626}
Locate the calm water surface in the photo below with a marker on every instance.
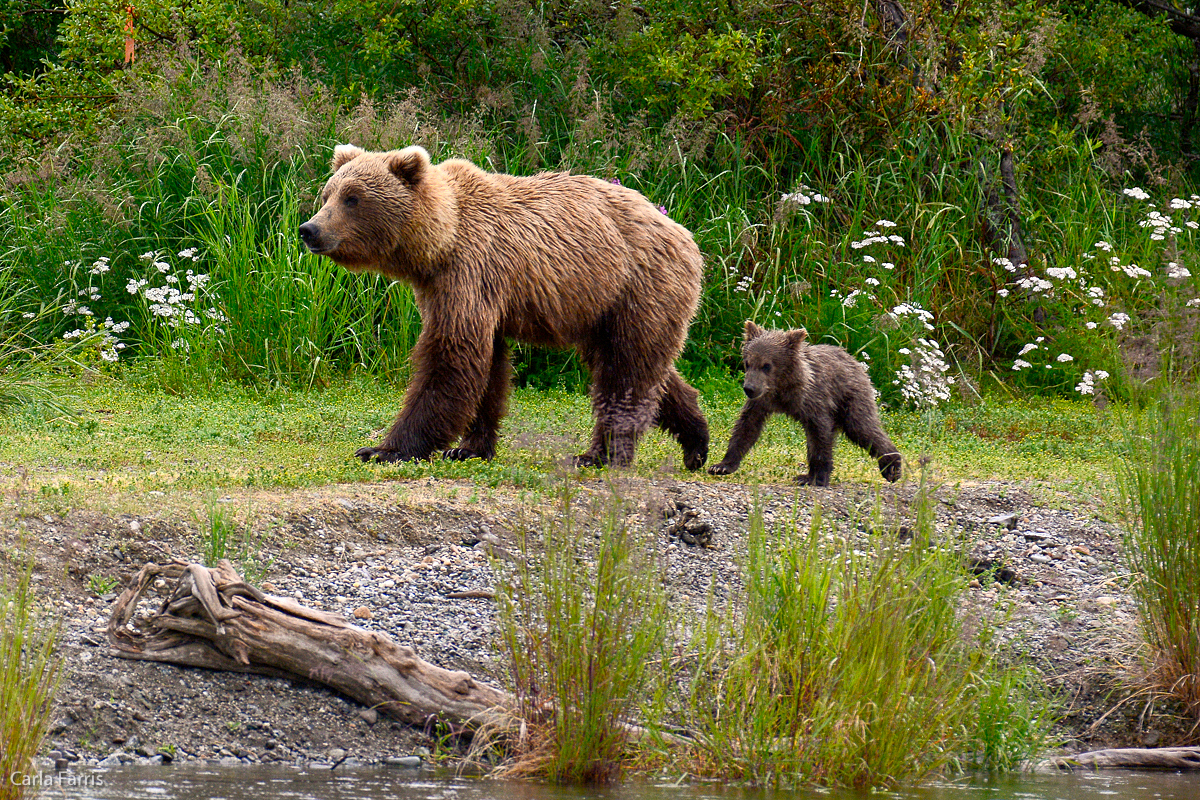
{"x":191,"y":782}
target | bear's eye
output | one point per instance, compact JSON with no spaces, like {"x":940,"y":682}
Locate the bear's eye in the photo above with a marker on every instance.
{"x":350,"y":200}
{"x":766,"y":367}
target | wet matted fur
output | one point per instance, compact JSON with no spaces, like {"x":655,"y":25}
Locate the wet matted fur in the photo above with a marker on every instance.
{"x":820,"y":386}
{"x":552,"y":259}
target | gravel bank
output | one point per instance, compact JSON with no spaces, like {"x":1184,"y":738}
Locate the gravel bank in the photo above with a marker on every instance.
{"x":409,"y":559}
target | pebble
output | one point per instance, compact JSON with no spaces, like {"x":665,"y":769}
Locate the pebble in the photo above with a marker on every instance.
{"x":411,"y":762}
{"x":362,"y":612}
{"x":1009,"y":520}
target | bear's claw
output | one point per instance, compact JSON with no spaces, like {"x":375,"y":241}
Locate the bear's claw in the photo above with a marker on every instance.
{"x":464,"y":453}
{"x":379,"y":455}
{"x":721,"y":469}
{"x":585,"y":460}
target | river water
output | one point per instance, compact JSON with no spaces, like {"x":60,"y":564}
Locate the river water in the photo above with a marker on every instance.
{"x":193,"y":782}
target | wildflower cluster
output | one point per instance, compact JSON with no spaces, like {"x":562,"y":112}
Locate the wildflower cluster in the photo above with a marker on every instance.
{"x":177,"y":303}
{"x":923,"y":381}
{"x":1096,"y":286}
{"x":802,"y":196}
{"x":106,"y":334}
{"x":1087,"y":384}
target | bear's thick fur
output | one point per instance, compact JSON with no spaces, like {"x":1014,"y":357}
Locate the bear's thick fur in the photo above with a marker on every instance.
{"x":820,"y":386}
{"x":553,"y":259}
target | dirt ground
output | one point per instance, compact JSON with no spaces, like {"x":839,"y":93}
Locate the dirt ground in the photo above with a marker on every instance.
{"x":388,"y":554}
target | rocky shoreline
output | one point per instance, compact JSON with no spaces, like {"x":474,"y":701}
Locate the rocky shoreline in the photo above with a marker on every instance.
{"x":411,"y":560}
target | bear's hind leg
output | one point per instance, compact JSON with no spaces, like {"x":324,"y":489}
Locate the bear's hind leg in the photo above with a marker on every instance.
{"x":679,"y":415}
{"x":820,"y":437}
{"x":625,"y":400}
{"x":863,"y":427}
{"x":480,"y":439}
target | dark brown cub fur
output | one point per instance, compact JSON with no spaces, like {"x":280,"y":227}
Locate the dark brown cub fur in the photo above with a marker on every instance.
{"x":820,"y":386}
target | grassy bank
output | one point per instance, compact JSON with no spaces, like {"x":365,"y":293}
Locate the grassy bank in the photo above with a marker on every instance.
{"x":132,"y":439}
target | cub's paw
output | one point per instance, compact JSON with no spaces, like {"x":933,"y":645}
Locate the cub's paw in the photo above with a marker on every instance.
{"x":889,"y":466}
{"x":810,"y":479}
{"x":694,"y":459}
{"x":722,"y":469}
{"x":465,"y":453}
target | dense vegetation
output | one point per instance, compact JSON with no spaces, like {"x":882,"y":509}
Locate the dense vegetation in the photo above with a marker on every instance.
{"x":845,"y":167}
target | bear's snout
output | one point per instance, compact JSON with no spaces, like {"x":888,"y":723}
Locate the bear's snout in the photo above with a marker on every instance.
{"x":310,"y":234}
{"x":751,"y":391}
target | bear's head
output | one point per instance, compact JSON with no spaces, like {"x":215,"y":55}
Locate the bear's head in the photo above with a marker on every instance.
{"x":393,"y":211}
{"x":772,"y":360}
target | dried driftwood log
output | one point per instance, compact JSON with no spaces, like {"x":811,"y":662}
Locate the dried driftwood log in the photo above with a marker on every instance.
{"x":214,"y":619}
{"x":1180,"y":758}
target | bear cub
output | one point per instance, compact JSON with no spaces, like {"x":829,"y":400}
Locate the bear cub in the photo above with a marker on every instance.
{"x":820,"y":386}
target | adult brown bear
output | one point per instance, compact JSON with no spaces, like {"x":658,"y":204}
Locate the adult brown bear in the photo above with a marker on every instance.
{"x":553,"y":259}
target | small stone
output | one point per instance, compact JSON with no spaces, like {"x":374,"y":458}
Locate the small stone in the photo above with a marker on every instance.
{"x":369,"y":715}
{"x":1035,"y":536}
{"x":1040,"y":558}
{"x":269,"y":587}
{"x":337,"y":754}
{"x":412,"y":762}
{"x":362,"y":612}
{"x":1008,"y":520}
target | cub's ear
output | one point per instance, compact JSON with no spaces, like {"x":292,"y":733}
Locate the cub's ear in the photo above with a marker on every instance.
{"x":796,"y":338}
{"x":345,"y":153}
{"x":752,"y":331}
{"x":409,"y":164}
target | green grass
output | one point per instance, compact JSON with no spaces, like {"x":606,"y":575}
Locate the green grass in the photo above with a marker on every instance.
{"x":30,"y":669}
{"x":1160,"y":486}
{"x":586,"y":626}
{"x":133,"y":439}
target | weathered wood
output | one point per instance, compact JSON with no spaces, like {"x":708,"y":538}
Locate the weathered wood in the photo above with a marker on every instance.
{"x":1179,"y":758}
{"x":214,"y":619}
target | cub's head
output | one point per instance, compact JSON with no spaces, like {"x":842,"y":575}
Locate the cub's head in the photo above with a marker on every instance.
{"x":771,"y":359}
{"x":378,"y":203}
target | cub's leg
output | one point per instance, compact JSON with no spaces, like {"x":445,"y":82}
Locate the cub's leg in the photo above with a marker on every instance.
{"x":746,"y":431}
{"x":863,"y":427}
{"x":820,"y":436}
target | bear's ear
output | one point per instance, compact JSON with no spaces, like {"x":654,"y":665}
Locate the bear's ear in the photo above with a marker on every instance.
{"x":345,"y":153}
{"x":409,"y":164}
{"x":796,"y":338}
{"x":752,"y":331}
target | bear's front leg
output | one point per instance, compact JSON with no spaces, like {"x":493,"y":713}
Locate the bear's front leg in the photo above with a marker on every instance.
{"x":480,"y":439}
{"x":450,"y":376}
{"x":746,"y":431}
